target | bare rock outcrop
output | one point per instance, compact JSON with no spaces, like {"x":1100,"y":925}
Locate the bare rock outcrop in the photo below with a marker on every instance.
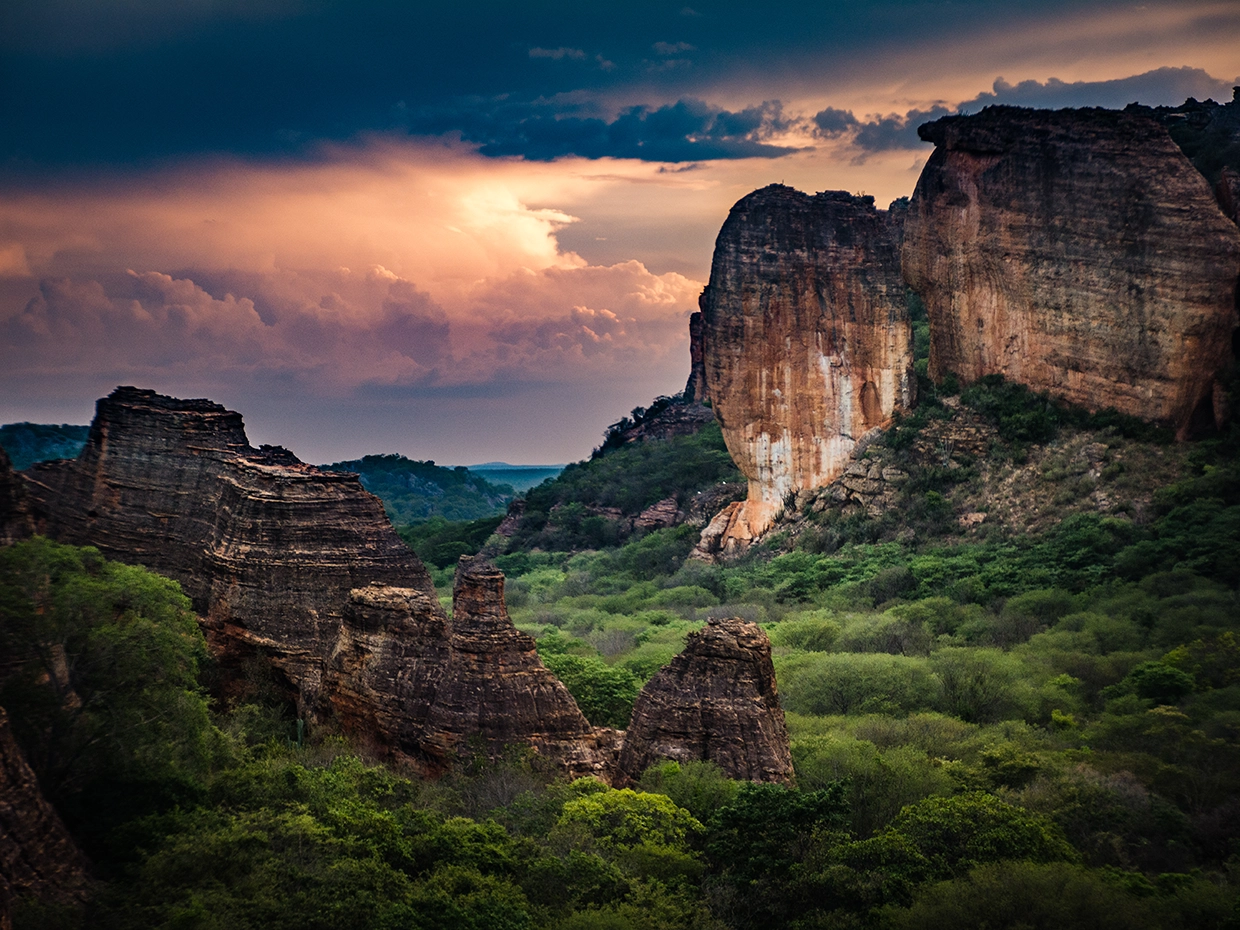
{"x":805,"y":342}
{"x":1077,"y":252}
{"x":16,"y":521}
{"x":715,"y":702}
{"x":268,"y":548}
{"x":386,"y":669}
{"x":496,"y":690}
{"x":38,"y":857}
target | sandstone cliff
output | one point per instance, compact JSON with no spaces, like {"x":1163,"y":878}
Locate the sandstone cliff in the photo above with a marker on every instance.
{"x":714,"y":702}
{"x":805,"y":341}
{"x":268,"y":548}
{"x":15,"y":518}
{"x":1078,"y":252}
{"x":420,"y":687}
{"x":38,"y":858}
{"x":496,"y":690}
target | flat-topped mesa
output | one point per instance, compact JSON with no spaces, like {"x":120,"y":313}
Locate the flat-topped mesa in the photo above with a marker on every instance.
{"x":805,"y":341}
{"x":268,"y":548}
{"x":496,"y":690}
{"x":1077,"y":252}
{"x":715,"y":702}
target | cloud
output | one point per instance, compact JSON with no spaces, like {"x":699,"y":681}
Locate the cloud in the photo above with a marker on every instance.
{"x":152,"y":326}
{"x":580,"y":323}
{"x":556,"y":54}
{"x":673,"y":48}
{"x":1160,"y":87}
{"x":687,"y":130}
{"x":832,"y":122}
{"x":895,"y":131}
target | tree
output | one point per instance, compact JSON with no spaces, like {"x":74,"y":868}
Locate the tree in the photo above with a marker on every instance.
{"x":102,"y":679}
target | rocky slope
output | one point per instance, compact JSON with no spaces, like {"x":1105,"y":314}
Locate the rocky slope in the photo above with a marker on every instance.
{"x":1078,"y":252}
{"x":714,"y":702}
{"x":805,"y":341}
{"x":15,"y":518}
{"x":38,"y":858}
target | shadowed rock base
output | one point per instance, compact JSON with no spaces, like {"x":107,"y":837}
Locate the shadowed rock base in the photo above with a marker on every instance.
{"x":38,"y":858}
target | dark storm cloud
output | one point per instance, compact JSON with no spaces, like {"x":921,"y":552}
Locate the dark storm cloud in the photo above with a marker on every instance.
{"x":832,"y":122}
{"x":688,"y":130}
{"x":1162,"y":86}
{"x":115,"y":81}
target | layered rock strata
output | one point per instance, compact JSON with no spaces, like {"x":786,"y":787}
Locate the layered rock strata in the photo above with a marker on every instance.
{"x":420,"y":687}
{"x":496,"y":690}
{"x":302,"y":566}
{"x":268,"y":548}
{"x":715,"y":702}
{"x":1078,"y":252}
{"x":386,"y":669}
{"x":16,"y":521}
{"x":38,"y":857}
{"x":805,"y":341}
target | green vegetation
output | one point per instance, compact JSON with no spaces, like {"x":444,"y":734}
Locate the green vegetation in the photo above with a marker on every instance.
{"x":27,"y":443}
{"x":1031,"y":722}
{"x":415,"y":491}
{"x":439,"y":543}
{"x":586,"y":506}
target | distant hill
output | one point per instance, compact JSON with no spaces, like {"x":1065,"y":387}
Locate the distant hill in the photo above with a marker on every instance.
{"x":27,"y":443}
{"x":413,"y":491}
{"x":520,"y":477}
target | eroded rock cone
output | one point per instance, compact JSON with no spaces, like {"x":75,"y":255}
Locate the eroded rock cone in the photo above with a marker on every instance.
{"x":38,"y":857}
{"x":715,"y":702}
{"x":805,"y":341}
{"x":1077,"y":252}
{"x":496,"y":690}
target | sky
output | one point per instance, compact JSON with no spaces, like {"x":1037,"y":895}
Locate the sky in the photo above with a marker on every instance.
{"x":468,"y":232}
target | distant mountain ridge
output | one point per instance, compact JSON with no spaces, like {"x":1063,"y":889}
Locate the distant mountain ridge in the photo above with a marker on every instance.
{"x":27,"y":443}
{"x":413,"y":491}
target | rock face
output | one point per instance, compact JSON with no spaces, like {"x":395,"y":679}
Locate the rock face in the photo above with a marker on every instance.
{"x":714,"y":702}
{"x":302,"y":565}
{"x":420,"y":687}
{"x":386,"y":669}
{"x":805,"y":341}
{"x":38,"y":858}
{"x":495,"y":688}
{"x":1227,"y":193}
{"x":1077,"y":252}
{"x":267,"y":548}
{"x":695,"y":387}
{"x":15,"y":519}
